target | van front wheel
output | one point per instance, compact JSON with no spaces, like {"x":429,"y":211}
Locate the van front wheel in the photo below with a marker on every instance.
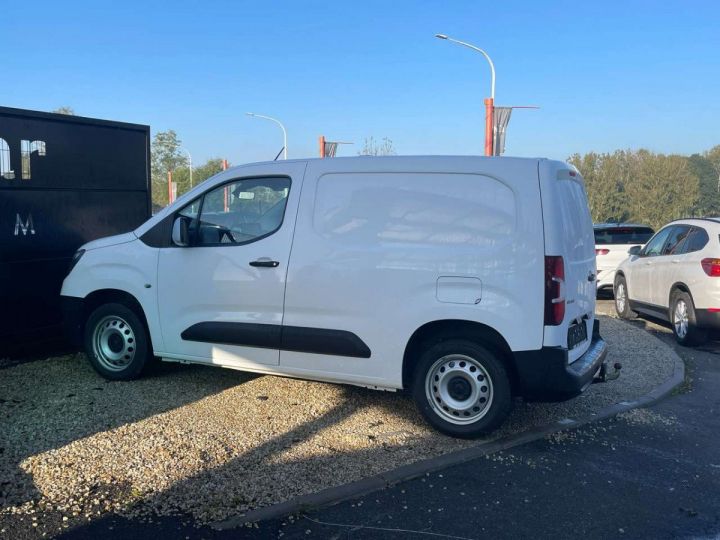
{"x":462,"y":389}
{"x":116,"y":342}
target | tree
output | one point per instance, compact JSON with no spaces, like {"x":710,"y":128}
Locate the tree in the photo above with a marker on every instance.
{"x":65,"y":110}
{"x":638,"y":186}
{"x":605,"y":178}
{"x":165,"y":157}
{"x":708,"y":203}
{"x":713,"y":155}
{"x":181,"y":176}
{"x":373,"y":148}
{"x":661,"y":188}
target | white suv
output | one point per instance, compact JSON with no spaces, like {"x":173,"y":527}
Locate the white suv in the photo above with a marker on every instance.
{"x":612,"y":241}
{"x":675,"y":277}
{"x":464,"y":279}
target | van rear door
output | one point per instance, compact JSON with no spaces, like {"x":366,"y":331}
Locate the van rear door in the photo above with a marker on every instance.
{"x":568,"y":234}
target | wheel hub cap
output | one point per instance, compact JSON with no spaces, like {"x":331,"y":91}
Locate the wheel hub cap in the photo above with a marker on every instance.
{"x":459,"y":389}
{"x":114,"y":343}
{"x":620,"y":297}
{"x":681,"y":319}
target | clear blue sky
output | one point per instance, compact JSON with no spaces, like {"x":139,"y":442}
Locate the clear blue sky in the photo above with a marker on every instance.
{"x":607,"y":74}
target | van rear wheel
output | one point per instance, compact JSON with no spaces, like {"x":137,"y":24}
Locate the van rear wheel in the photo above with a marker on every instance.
{"x":462,"y":389}
{"x":116,"y":342}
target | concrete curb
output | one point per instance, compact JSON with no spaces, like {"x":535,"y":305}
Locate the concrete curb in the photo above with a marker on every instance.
{"x":333,"y":495}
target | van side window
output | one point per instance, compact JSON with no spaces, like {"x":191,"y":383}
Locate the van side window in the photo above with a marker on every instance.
{"x":192,"y":210}
{"x":241,"y":211}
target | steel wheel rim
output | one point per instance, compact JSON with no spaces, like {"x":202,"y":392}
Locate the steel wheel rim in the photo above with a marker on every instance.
{"x":459,"y":389}
{"x":620,"y":297}
{"x":681,"y":320}
{"x":114,"y":343}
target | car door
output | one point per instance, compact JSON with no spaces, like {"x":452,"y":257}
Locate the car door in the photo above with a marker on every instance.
{"x":665,"y":267}
{"x":221,"y":297}
{"x":641,"y":268}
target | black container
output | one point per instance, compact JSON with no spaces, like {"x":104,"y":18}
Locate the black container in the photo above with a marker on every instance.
{"x":64,"y":180}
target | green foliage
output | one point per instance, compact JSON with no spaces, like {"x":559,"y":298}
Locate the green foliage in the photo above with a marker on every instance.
{"x":713,"y":156}
{"x":165,"y":157}
{"x":64,"y":110}
{"x":182,"y":176}
{"x":639,"y":186}
{"x":375,"y":148}
{"x":708,"y":203}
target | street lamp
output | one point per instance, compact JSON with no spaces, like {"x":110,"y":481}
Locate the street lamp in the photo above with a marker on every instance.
{"x":489,"y":102}
{"x":189,"y":163}
{"x":281,"y":127}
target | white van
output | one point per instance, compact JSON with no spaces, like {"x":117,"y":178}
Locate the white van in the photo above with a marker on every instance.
{"x":466,"y":280}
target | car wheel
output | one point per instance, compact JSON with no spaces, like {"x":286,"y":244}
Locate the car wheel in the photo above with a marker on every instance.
{"x":684,"y":323}
{"x":622,"y":300}
{"x":116,"y":342}
{"x":461,"y":388}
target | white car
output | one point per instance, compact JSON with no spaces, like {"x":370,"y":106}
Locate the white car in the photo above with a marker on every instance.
{"x":675,"y":277}
{"x":612,"y":241}
{"x":465,"y":279}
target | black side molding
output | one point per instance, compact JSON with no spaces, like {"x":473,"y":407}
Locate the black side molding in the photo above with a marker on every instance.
{"x":323,"y":341}
{"x":274,"y":336}
{"x":263,"y":336}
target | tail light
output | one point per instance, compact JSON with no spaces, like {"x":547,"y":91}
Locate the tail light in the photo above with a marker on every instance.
{"x":602,"y":251}
{"x":711,"y":267}
{"x":554,"y":294}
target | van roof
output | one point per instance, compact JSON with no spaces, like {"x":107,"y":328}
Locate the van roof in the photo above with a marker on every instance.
{"x":403,"y":158}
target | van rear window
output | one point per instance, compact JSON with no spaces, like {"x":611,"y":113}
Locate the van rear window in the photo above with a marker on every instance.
{"x":622,"y":235}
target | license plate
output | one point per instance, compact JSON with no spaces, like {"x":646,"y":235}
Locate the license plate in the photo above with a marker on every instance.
{"x":577,"y":333}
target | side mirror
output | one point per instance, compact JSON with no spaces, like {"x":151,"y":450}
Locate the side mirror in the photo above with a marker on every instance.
{"x":180,"y":235}
{"x":635,"y":250}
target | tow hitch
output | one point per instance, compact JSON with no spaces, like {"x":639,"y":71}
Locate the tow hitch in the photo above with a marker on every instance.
{"x":604,"y":374}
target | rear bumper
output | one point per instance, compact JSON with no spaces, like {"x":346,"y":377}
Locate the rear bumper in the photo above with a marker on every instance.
{"x":545,"y":374}
{"x":73,"y":318}
{"x":707,"y":319}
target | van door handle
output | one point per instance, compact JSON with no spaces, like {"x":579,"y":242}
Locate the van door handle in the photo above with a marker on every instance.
{"x":591,"y":277}
{"x":265,"y":263}
{"x":675,"y":261}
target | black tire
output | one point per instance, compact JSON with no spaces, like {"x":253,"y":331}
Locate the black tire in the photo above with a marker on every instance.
{"x":686,"y":334}
{"x":116,"y":342}
{"x":622,"y":299}
{"x":472,"y":361}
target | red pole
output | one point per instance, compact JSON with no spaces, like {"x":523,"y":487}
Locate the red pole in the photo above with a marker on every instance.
{"x":489,"y":108}
{"x":322,"y":146}
{"x":169,"y":187}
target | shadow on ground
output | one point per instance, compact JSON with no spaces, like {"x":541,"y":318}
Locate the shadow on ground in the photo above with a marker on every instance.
{"x":51,"y":403}
{"x":206,"y":443}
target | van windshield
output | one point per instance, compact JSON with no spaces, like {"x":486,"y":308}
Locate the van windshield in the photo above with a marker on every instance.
{"x":622,"y":235}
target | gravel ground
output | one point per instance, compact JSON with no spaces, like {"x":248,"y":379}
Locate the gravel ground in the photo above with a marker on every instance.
{"x":211,"y":443}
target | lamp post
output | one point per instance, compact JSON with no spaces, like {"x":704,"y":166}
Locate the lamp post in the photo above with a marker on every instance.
{"x":189,"y":163}
{"x":489,"y":102}
{"x":281,"y":127}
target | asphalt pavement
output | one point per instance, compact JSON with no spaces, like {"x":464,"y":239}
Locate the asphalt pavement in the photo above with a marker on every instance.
{"x":648,"y":473}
